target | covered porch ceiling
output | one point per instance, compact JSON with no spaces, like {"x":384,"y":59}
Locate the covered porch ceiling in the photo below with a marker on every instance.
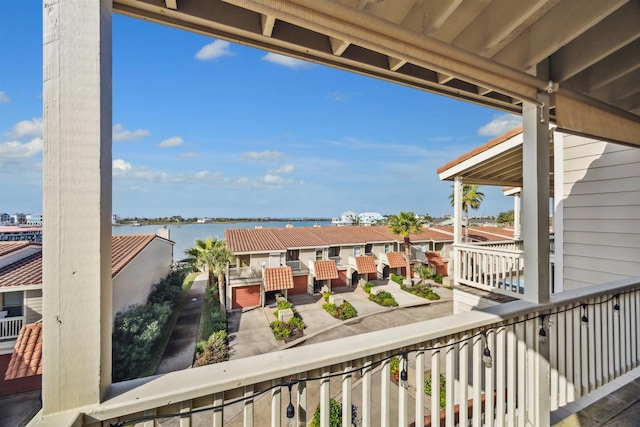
{"x":496,"y":53}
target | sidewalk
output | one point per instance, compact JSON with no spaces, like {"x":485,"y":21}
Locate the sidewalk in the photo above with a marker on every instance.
{"x":182,"y":342}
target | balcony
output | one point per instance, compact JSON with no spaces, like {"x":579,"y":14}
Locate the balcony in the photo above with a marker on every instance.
{"x":509,"y":365}
{"x":10,"y":327}
{"x":236,"y":273}
{"x":295,"y":265}
{"x":337,"y":260}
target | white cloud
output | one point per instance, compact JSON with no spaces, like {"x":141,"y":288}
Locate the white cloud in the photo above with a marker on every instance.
{"x":339,"y":96}
{"x":283,"y":169}
{"x":265,"y":155}
{"x":278,"y":181}
{"x":500,"y":124}
{"x":189,"y":155}
{"x":214,"y":50}
{"x":201,"y":174}
{"x":286,"y":61}
{"x":14,"y":150}
{"x":27,"y":129}
{"x":120,"y":133}
{"x":174,"y":141}
{"x":4,"y":98}
{"x":120,"y":165}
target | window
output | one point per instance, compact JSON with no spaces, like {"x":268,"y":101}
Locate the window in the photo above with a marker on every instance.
{"x":334,"y":251}
{"x":319,"y":255}
{"x":293,"y":255}
{"x":387,"y":248}
{"x":356,"y":251}
{"x":423,"y":247}
{"x":12,"y":303}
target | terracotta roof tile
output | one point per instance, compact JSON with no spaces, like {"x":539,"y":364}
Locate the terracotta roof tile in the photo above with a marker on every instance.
{"x":326,"y":269}
{"x":277,"y":278}
{"x":8,"y":247}
{"x":434,"y":258}
{"x":28,"y":270}
{"x":492,"y":143}
{"x":252,"y":240}
{"x":365,"y":264}
{"x":396,"y":259}
{"x":26,"y":359}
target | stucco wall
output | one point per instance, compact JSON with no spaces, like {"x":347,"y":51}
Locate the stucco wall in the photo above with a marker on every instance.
{"x":134,"y":282}
{"x":601,"y":212}
{"x":33,"y":305}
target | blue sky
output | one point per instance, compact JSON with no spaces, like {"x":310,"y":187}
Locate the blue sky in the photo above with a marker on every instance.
{"x":203,"y":127}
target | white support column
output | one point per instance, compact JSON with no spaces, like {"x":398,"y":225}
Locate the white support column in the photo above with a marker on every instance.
{"x":558,"y":211}
{"x":516,"y":216}
{"x":535,"y":198}
{"x":457,"y":228}
{"x":535,"y":219}
{"x":77,"y":202}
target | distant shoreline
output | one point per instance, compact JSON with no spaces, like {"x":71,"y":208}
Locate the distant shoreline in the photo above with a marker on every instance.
{"x":165,"y":221}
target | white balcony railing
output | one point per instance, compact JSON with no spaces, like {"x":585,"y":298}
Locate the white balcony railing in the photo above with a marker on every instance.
{"x":295,"y":265}
{"x":245,"y":273}
{"x":10,"y":327}
{"x":337,"y":259}
{"x":541,"y":358}
{"x":495,"y":267}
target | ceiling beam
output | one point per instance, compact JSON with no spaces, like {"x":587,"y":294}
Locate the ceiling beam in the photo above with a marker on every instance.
{"x":338,"y":46}
{"x":555,"y":29}
{"x":609,"y":35}
{"x":619,"y":88}
{"x":395,"y":64}
{"x":171,"y":4}
{"x":267,"y":22}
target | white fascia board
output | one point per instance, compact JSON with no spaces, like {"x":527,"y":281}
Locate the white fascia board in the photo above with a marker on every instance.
{"x":512,"y":191}
{"x":459,"y":169}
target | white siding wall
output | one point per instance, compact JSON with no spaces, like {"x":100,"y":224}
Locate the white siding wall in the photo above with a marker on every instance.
{"x":601,"y":209}
{"x":134,"y":282}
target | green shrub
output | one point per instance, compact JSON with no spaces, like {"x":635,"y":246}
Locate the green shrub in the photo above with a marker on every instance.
{"x":343,"y":312}
{"x":421,"y":290}
{"x":285,"y":330}
{"x":335,"y":415}
{"x":326,"y":296}
{"x":135,"y":332}
{"x":398,"y":279}
{"x":168,"y":290}
{"x":385,"y":299}
{"x":214,"y":350}
{"x":438,"y":278}
{"x":367,"y":287}
{"x":443,"y":391}
{"x":394,"y":365}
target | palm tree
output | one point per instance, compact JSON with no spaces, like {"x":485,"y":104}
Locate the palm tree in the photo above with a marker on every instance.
{"x":471,"y":198}
{"x":214,"y":256}
{"x":403,"y":225}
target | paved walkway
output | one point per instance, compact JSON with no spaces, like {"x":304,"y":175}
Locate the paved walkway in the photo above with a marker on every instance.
{"x":182,"y":342}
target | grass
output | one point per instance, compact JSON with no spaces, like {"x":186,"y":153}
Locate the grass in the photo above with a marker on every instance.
{"x":158,"y":349}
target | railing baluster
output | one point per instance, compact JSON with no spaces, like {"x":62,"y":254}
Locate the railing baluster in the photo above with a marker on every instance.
{"x":366,"y":393}
{"x":616,"y":345}
{"x":611,"y":343}
{"x":403,"y":407}
{"x":185,"y":413}
{"x":151,"y":422}
{"x":435,"y":385}
{"x":512,"y":351}
{"x":450,"y":375}
{"x":578,"y":334}
{"x":489,"y":375}
{"x":589,"y":378}
{"x":502,"y":362}
{"x":385,"y":373}
{"x":563,"y":356}
{"x":463,"y":369}
{"x":325,"y":395}
{"x":301,"y":402}
{"x":346,"y":395}
{"x":633,"y":309}
{"x":597,"y":344}
{"x":552,"y":339}
{"x":521,"y":369}
{"x":627,"y":331}
{"x":276,"y":405}
{"x":605,"y":320}
{"x":477,"y":387}
{"x":218,"y":400}
{"x":247,"y":410}
{"x":419,"y":387}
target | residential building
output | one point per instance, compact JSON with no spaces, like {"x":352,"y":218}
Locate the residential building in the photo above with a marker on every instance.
{"x":5,"y":219}
{"x":33,"y":220}
{"x":17,"y":219}
{"x":14,"y":233}
{"x":570,"y":63}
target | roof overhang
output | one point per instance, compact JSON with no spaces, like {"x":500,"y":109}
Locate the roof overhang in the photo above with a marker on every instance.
{"x":489,"y":53}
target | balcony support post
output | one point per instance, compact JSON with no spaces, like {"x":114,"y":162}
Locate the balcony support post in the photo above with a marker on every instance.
{"x":457,"y":228}
{"x":535,"y":200}
{"x":516,"y":216}
{"x":77,"y":103}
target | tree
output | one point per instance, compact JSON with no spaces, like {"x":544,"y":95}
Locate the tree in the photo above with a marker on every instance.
{"x":471,"y":198}
{"x":403,"y":225}
{"x":214,"y":256}
{"x":506,"y":217}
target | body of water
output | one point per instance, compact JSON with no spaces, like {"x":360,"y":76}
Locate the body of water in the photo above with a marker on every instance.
{"x":185,"y":235}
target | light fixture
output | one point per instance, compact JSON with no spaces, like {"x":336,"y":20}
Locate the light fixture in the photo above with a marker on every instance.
{"x":486,"y":353}
{"x":616,"y":306}
{"x":403,"y":372}
{"x":291,"y":411}
{"x":542,"y":334}
{"x":584,"y":319}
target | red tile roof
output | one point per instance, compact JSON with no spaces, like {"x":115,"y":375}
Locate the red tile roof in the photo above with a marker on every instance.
{"x":325,"y":269}
{"x":365,"y":264}
{"x":396,"y":259}
{"x":492,"y":143}
{"x":8,"y":247}
{"x":26,"y":359}
{"x":277,"y":278}
{"x":28,"y":270}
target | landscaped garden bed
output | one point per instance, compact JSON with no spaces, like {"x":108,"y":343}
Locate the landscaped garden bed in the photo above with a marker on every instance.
{"x":382,"y":298}
{"x":342,"y":311}
{"x":422,"y":290}
{"x":287,"y":330}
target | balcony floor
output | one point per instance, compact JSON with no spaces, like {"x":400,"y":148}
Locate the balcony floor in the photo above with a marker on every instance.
{"x":616,"y":404}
